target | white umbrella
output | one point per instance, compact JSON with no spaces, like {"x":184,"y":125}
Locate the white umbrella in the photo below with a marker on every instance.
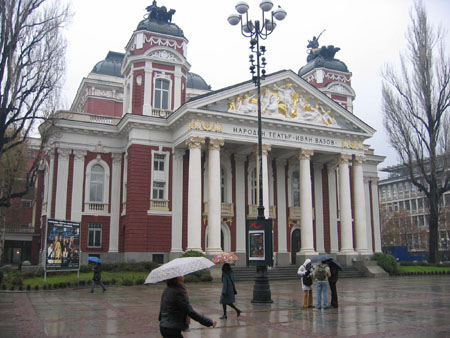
{"x":178,"y":267}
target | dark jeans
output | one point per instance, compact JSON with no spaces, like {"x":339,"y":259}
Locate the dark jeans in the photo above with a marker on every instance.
{"x":170,"y":333}
{"x":334,"y":296}
{"x":97,"y":282}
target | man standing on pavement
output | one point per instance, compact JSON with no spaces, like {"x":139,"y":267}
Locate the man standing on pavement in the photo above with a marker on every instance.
{"x":322,"y":273}
{"x":334,"y":269}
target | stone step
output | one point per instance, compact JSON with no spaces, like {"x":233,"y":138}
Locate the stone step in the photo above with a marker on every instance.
{"x":286,"y":273}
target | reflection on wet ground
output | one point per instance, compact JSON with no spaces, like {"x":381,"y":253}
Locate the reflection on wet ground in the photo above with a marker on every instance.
{"x":386,"y":307}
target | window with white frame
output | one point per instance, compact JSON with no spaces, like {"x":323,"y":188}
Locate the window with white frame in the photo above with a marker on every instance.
{"x":97,"y":183}
{"x":158,"y":190}
{"x":94,"y":235}
{"x":158,"y":162}
{"x":161,"y":98}
{"x":295,"y":189}
{"x":223,"y":187}
{"x":254,"y":187}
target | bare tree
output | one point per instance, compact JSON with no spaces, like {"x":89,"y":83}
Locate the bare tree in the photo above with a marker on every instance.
{"x":32,"y":65}
{"x":416,"y":108}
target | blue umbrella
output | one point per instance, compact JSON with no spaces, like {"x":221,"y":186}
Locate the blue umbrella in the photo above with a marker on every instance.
{"x":94,"y":259}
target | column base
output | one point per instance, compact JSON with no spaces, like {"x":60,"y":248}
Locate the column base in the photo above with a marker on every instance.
{"x":347,"y":258}
{"x":301,"y":256}
{"x":175,"y":254}
{"x":213,"y":251}
{"x":283,"y":258}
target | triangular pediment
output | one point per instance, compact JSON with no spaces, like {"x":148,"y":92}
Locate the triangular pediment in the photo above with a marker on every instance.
{"x":284,"y":97}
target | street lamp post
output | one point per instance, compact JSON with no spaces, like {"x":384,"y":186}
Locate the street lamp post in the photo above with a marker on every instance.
{"x":255,"y":31}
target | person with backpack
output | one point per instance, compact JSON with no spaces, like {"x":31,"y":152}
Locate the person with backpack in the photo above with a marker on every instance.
{"x":322,"y":273}
{"x":305,"y":271}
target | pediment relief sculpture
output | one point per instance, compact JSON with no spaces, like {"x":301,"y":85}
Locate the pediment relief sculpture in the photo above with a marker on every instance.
{"x":285,"y":102}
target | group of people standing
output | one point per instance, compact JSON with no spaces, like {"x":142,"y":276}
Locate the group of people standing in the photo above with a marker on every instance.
{"x":326,"y":273}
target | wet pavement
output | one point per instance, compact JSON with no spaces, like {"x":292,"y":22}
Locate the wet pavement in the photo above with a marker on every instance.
{"x":384,"y":307}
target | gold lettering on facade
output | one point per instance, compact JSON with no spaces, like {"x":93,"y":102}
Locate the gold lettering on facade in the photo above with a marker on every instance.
{"x":205,"y":125}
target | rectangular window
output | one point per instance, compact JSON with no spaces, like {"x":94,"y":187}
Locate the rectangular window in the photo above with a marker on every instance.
{"x":158,"y":162}
{"x":383,"y":193}
{"x":158,"y":190}
{"x":413,"y":205}
{"x":394,"y":191}
{"x":95,"y":235}
{"x":26,"y":204}
{"x":420,"y":203}
{"x":407,"y":205}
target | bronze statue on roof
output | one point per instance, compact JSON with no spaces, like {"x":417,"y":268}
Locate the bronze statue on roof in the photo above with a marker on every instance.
{"x":324,"y":52}
{"x":159,"y":14}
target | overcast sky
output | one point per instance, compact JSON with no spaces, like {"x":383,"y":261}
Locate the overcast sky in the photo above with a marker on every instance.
{"x":370,"y":34}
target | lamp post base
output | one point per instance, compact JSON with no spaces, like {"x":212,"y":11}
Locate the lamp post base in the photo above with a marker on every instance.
{"x":261,"y":289}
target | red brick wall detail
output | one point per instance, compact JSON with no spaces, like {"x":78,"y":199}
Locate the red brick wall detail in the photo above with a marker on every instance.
{"x":138,"y":92}
{"x":104,"y":107}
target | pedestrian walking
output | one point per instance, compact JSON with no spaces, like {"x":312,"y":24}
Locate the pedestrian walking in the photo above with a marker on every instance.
{"x":305,"y":271}
{"x":97,"y":278}
{"x":175,"y":310}
{"x":228,"y":290}
{"x":334,"y":269}
{"x":322,"y":273}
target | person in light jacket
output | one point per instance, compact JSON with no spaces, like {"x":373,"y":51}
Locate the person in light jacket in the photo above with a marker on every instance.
{"x":175,"y":310}
{"x":305,"y":270}
{"x":227,"y":296}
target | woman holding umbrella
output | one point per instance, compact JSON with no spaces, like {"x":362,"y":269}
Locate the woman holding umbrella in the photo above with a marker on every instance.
{"x":176,"y":310}
{"x":228,"y":290}
{"x":97,"y":278}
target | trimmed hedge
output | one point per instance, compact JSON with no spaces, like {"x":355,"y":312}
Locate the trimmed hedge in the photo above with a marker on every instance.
{"x":387,"y":262}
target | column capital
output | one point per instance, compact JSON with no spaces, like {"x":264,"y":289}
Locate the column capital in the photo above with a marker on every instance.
{"x":305,"y":154}
{"x":195,"y":142}
{"x":64,"y":153}
{"x":358,"y":159}
{"x":265,"y":149}
{"x":117,"y":158}
{"x":79,"y":154}
{"x":215,"y":143}
{"x":344,"y":158}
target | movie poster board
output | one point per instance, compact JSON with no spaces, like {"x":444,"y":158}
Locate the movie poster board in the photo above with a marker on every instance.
{"x":259,"y":242}
{"x":62,"y":245}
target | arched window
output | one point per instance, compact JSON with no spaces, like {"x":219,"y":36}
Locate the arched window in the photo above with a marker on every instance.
{"x":295,"y":188}
{"x":161,"y":99}
{"x":97,"y":182}
{"x":254,"y":187}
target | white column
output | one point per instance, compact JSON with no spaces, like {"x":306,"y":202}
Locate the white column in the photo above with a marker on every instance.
{"x":194,"y":144}
{"x":177,"y":90}
{"x":240,"y":202}
{"x":345,"y":205}
{"x":318,"y":207}
{"x":360,"y":205}
{"x":148,"y":92}
{"x":78,"y":181}
{"x":376,"y":215}
{"x":332,"y":196}
{"x":368,"y":215}
{"x":61,"y":183}
{"x":281,"y":207}
{"x":177,"y":203}
{"x":306,"y":221}
{"x":115,"y":202}
{"x":214,"y":200}
{"x":265,"y":171}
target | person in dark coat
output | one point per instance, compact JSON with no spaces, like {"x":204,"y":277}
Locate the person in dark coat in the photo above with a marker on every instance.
{"x":228,"y":290}
{"x":175,"y":310}
{"x":332,"y":281}
{"x":97,"y":278}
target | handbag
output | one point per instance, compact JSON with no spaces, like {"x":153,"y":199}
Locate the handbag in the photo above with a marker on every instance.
{"x":307,"y":280}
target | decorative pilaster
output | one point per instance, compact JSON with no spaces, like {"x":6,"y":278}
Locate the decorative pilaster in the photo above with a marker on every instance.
{"x":214,"y":201}
{"x":360,"y":205}
{"x":332,"y":205}
{"x":282,"y":254}
{"x":368,"y":215}
{"x":345,"y":205}
{"x":265,"y":171}
{"x":177,"y":204}
{"x":61,"y":183}
{"x":194,"y":144}
{"x":306,"y":221}
{"x":115,"y":202}
{"x":78,"y":179}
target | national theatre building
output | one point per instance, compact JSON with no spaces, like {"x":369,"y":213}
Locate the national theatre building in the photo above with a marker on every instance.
{"x":152,"y":162}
